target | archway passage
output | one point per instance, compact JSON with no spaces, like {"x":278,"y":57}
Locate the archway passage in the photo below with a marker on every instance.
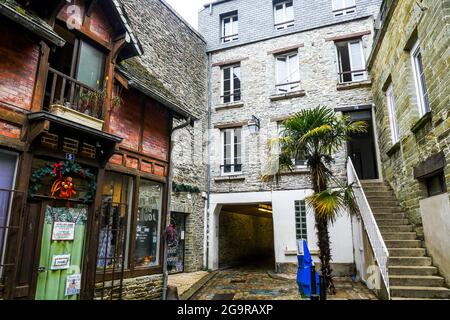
{"x":246,"y":236}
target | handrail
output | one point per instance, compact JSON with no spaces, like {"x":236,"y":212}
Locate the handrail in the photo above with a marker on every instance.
{"x":370,"y":225}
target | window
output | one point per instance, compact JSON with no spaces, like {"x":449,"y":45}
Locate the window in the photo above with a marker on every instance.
{"x":148,"y":229}
{"x":284,"y":14}
{"x":230,"y":28}
{"x":351,"y":62}
{"x":297,"y":163}
{"x":419,"y":77}
{"x":231,"y":84}
{"x":436,"y":184}
{"x":392,"y":113}
{"x":300,"y":220}
{"x":287,"y":73}
{"x":343,"y":7}
{"x":231,"y":148}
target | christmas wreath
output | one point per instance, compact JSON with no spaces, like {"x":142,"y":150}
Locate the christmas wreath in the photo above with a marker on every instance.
{"x":62,"y":174}
{"x":184,"y":188}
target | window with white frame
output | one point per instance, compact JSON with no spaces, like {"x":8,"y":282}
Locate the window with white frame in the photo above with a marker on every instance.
{"x":283,"y":14}
{"x":390,"y":101}
{"x":231,"y":84}
{"x":351,"y":63}
{"x":296,"y":162}
{"x":300,"y":220}
{"x":231,"y":151}
{"x":287,"y":72}
{"x":419,"y":77}
{"x":343,"y":7}
{"x":230,"y":28}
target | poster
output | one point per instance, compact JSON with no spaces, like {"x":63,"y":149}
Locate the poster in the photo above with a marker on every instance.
{"x":63,"y":231}
{"x":60,"y":262}
{"x":73,"y":284}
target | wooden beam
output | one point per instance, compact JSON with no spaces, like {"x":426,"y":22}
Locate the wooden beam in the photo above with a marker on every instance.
{"x":12,"y":117}
{"x":36,"y":129}
{"x":90,"y":7}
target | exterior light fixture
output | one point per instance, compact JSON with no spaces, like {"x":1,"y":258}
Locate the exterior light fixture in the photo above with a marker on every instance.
{"x":254,"y":125}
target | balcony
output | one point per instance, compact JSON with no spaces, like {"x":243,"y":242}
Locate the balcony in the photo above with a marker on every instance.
{"x":71,"y":99}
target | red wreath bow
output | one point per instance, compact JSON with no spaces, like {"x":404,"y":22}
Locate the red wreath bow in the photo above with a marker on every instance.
{"x":57,"y":167}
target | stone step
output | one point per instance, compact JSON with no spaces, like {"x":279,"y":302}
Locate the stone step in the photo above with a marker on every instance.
{"x":374,"y":203}
{"x":396,"y":215}
{"x":420,"y":292}
{"x":399,"y":235}
{"x":412,"y":270}
{"x":391,"y":222}
{"x":409,"y":261}
{"x":380,"y":197}
{"x":407,"y":252}
{"x":416,"y":281}
{"x":403,"y":243}
{"x":378,"y":188}
{"x":377,"y":210}
{"x":401,"y":228}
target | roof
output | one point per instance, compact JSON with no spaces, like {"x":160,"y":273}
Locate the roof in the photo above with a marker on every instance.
{"x":142,"y":80}
{"x":29,"y":20}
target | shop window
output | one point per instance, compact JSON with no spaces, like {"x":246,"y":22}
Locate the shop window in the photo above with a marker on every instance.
{"x":352,"y":66}
{"x":436,"y":184}
{"x":300,"y":220}
{"x":148,"y":228}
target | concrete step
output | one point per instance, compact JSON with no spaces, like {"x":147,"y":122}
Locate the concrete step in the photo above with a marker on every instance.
{"x":375,"y":203}
{"x":391,"y":222}
{"x":377,"y":210}
{"x":416,"y":281}
{"x":380,"y":198}
{"x":403,"y":243}
{"x":407,"y":252}
{"x":409,"y":261}
{"x":395,"y":215}
{"x":399,"y":235}
{"x":400,"y":228}
{"x":412,"y":270}
{"x":377,"y":188}
{"x":420,"y":292}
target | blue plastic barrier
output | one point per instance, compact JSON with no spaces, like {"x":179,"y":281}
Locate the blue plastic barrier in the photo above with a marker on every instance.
{"x":305,"y":263}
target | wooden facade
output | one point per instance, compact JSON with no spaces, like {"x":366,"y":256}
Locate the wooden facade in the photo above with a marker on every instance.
{"x":133,"y":142}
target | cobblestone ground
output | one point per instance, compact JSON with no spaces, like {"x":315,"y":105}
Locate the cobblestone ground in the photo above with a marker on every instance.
{"x":256,"y":284}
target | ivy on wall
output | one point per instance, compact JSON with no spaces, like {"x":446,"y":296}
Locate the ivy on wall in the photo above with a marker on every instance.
{"x":184,"y":188}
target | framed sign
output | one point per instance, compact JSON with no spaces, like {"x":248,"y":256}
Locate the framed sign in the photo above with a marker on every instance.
{"x":60,"y":262}
{"x":73,"y":284}
{"x":63,"y":231}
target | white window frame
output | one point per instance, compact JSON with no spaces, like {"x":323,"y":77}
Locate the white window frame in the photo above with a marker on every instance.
{"x":421,"y":87}
{"x":232,"y":94}
{"x":280,"y":128}
{"x":342,"y":10}
{"x":288,"y":84}
{"x":234,"y":33}
{"x":301,"y":233}
{"x":233,"y":170}
{"x":285,"y":23}
{"x":390,"y":102}
{"x":354,"y":73}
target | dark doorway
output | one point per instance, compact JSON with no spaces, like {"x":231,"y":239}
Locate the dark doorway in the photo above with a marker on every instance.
{"x":361,"y":147}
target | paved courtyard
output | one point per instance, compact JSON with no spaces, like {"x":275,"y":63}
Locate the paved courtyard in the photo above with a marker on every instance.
{"x":247,"y":283}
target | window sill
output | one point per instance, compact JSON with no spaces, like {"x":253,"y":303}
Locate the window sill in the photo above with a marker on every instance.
{"x":422,"y":122}
{"x":236,"y":177}
{"x":289,"y":95}
{"x":290,"y":252}
{"x":231,"y":105}
{"x":353,"y":85}
{"x":393,"y":149}
{"x":296,"y":171}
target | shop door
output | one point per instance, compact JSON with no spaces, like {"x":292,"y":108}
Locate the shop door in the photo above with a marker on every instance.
{"x":175,"y":256}
{"x":61,"y":255}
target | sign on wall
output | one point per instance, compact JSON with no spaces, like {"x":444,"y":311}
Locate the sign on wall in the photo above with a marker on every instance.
{"x":63,"y":231}
{"x":73,"y":284}
{"x":60,"y":262}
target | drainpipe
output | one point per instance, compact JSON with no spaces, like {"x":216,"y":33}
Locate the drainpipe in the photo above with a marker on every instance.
{"x":208,"y":178}
{"x":189,"y":121}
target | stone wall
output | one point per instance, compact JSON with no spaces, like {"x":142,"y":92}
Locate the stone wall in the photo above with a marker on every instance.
{"x":392,"y":60}
{"x":176,"y":55}
{"x":319,"y":80}
{"x":142,"y":288}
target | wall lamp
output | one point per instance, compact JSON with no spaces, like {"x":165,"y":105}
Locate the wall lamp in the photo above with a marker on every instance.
{"x":254,"y":125}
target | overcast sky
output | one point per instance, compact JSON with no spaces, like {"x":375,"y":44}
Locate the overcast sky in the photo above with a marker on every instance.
{"x":188,"y":9}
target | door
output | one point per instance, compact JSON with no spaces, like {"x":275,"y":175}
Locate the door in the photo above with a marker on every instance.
{"x":361,"y":147}
{"x":175,"y":254}
{"x":61,"y":252}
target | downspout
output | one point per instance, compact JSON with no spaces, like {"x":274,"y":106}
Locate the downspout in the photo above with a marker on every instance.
{"x":208,"y":178}
{"x":189,"y":121}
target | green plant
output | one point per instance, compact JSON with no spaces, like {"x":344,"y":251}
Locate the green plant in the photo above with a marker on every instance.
{"x":316,"y":135}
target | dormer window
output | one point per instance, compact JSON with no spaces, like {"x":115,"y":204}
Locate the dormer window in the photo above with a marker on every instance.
{"x":284,"y":14}
{"x":230,"y":28}
{"x":343,"y":7}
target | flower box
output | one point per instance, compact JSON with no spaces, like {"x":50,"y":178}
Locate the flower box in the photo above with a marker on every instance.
{"x":75,"y":116}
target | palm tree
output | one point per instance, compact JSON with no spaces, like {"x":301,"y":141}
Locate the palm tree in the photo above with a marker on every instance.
{"x":316,"y":135}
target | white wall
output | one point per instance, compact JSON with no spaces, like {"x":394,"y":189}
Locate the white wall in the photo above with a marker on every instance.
{"x":283,"y":203}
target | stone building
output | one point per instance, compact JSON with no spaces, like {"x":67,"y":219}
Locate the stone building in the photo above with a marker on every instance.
{"x":411,"y":90}
{"x":267,"y":62}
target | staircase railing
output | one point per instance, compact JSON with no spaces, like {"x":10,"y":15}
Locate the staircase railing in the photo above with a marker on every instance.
{"x":370,"y":225}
